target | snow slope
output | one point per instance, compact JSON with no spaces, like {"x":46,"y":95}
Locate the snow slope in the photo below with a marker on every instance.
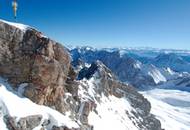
{"x":171,"y":107}
{"x":154,"y":72}
{"x":111,"y":113}
{"x":16,"y":106}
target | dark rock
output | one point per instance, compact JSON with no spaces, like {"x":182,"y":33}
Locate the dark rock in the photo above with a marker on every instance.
{"x":26,"y":123}
{"x":62,"y":128}
{"x":87,"y":73}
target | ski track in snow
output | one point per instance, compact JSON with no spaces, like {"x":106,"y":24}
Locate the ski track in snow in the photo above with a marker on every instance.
{"x":171,"y":107}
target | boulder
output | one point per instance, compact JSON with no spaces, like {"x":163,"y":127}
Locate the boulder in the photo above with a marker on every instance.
{"x":25,"y":123}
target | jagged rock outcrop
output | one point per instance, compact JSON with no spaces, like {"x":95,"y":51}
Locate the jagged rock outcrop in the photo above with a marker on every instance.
{"x":26,"y":56}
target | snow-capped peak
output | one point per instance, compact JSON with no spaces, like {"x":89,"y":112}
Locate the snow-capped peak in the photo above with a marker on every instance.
{"x":154,"y":73}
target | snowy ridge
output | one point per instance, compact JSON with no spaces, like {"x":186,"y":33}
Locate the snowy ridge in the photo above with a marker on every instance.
{"x":8,"y":100}
{"x":168,"y":73}
{"x":17,"y":25}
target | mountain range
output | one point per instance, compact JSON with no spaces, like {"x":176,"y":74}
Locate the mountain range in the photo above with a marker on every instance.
{"x":46,"y":86}
{"x":137,"y":69}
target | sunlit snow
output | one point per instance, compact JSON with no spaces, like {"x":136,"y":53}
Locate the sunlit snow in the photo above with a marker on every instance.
{"x":17,"y":25}
{"x":16,"y":106}
{"x":171,"y":107}
{"x":111,"y":112}
{"x":111,"y":115}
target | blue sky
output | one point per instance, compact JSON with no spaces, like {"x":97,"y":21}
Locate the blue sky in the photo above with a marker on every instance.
{"x":108,"y":23}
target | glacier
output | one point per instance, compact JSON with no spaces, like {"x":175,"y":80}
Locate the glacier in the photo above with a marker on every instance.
{"x":171,"y":107}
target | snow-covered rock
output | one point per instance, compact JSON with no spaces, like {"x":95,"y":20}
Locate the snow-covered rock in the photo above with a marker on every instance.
{"x":17,"y":25}
{"x":117,"y":106}
{"x":19,"y":107}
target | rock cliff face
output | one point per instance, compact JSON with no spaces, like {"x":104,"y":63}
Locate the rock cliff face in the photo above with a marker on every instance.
{"x":40,"y":69}
{"x":26,"y":56}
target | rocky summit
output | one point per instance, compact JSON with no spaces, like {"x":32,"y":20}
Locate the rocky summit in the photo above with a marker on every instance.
{"x":37,"y":74}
